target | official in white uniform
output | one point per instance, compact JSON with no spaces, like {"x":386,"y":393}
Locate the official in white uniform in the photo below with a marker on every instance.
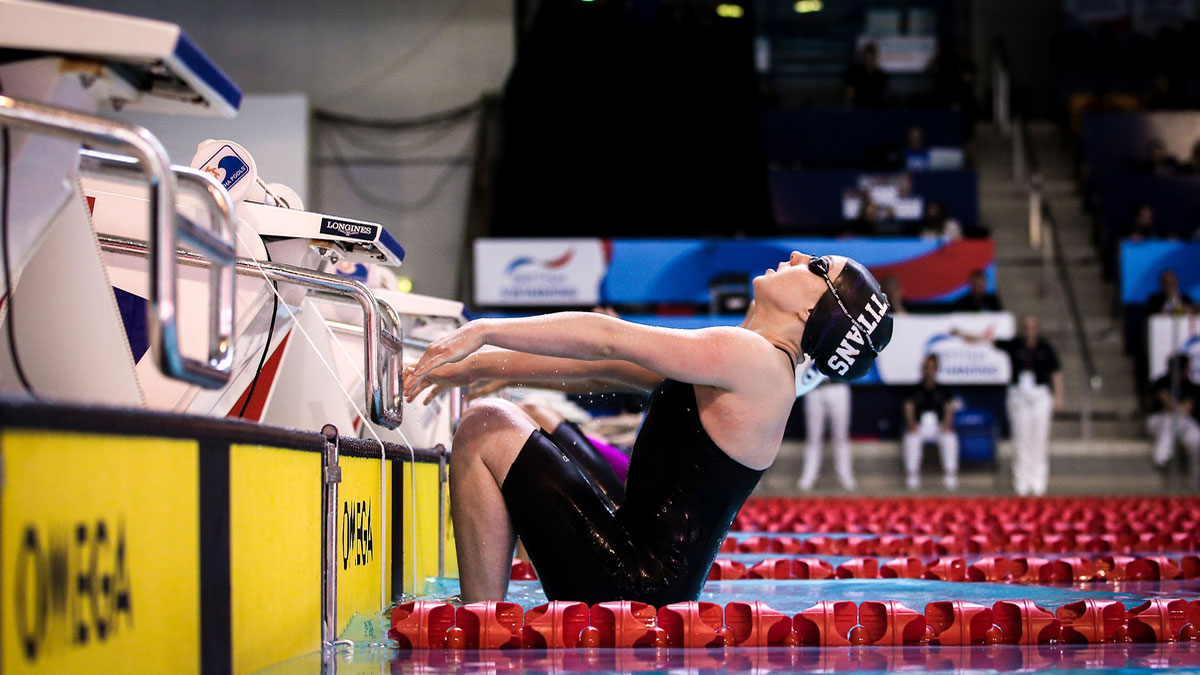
{"x":1173,"y":399}
{"x":1034,"y":394}
{"x":829,"y":402}
{"x":929,"y":418}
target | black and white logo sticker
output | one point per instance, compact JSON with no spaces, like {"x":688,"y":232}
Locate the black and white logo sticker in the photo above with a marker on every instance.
{"x":348,"y":228}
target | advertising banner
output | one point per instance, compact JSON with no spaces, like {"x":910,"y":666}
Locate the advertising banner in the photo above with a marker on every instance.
{"x":1143,"y":261}
{"x":525,"y":272}
{"x":99,"y":575}
{"x":573,"y":272}
{"x":959,"y":361}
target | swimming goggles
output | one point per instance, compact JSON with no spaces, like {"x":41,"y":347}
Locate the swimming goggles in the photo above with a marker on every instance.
{"x":819,"y":265}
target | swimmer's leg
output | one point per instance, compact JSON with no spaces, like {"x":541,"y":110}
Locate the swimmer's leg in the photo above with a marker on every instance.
{"x":489,"y":438}
{"x":571,"y":440}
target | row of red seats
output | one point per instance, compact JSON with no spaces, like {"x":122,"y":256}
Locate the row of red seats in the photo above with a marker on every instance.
{"x":1146,"y":542}
{"x":1073,"y":506}
{"x":944,"y":516}
{"x":623,"y":624}
{"x":1094,"y":529}
{"x":996,"y":569}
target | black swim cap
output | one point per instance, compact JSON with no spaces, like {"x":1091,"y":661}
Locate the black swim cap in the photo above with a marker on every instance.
{"x":840,"y":342}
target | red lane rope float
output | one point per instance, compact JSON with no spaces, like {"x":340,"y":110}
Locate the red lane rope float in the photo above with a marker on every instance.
{"x":919,"y":545}
{"x":1021,"y":569}
{"x":570,"y":625}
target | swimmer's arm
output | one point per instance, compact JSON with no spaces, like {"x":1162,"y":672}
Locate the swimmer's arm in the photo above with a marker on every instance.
{"x":565,"y":374}
{"x":719,"y":356}
{"x":725,"y":357}
{"x":489,"y":387}
{"x":490,"y":369}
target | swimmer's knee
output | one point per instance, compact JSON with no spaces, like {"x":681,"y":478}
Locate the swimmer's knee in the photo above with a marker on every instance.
{"x":488,"y":412}
{"x":491,"y":418}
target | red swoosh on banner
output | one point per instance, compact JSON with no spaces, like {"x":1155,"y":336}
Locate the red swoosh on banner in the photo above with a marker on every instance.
{"x":560,"y":260}
{"x":941,"y":271}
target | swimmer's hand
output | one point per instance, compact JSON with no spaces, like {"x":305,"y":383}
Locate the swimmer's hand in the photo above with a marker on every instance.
{"x":441,"y":379}
{"x":447,"y":349}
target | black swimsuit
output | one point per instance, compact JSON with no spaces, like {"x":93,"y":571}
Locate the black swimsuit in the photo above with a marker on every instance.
{"x":656,"y":546}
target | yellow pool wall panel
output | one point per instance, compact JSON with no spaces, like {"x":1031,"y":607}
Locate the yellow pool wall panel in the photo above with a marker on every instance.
{"x":420,"y":524}
{"x":275,"y":554}
{"x":99,"y":550}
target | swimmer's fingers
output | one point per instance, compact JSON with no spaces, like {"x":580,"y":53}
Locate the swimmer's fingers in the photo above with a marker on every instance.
{"x":414,"y":385}
{"x":442,"y":378}
{"x":411,"y":393}
{"x":448,"y":349}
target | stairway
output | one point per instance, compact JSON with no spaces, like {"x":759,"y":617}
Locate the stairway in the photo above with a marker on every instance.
{"x":1027,"y":287}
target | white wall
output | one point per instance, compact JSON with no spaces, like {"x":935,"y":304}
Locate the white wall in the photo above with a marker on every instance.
{"x":382,"y":59}
{"x":273,"y":127}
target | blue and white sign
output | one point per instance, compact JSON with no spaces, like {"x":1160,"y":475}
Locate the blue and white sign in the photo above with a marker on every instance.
{"x":959,"y":361}
{"x":1143,"y":261}
{"x":539,"y":272}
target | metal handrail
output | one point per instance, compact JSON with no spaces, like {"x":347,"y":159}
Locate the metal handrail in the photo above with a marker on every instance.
{"x":161,"y":314}
{"x":392,"y":340}
{"x":374,"y":341}
{"x":1041,"y":220}
{"x":1001,"y":87}
{"x":219,"y":205}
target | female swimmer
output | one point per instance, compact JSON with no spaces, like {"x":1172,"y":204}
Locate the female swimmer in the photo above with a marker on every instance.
{"x":721,"y":399}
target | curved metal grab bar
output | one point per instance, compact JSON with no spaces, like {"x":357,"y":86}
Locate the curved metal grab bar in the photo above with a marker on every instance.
{"x":335,"y":285}
{"x":164,"y":332}
{"x":221,"y":247}
{"x":392,"y":342}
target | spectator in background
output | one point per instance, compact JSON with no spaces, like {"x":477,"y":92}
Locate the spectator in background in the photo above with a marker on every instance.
{"x":1035,"y":392}
{"x":929,"y":416}
{"x":895,"y":294}
{"x":870,"y":215}
{"x":916,"y":155}
{"x":1168,"y":299}
{"x":936,"y":224}
{"x":866,"y":84}
{"x":1171,"y":420}
{"x":1142,"y":227}
{"x":977,"y":298}
{"x":1157,"y":161}
{"x":830,"y":401}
